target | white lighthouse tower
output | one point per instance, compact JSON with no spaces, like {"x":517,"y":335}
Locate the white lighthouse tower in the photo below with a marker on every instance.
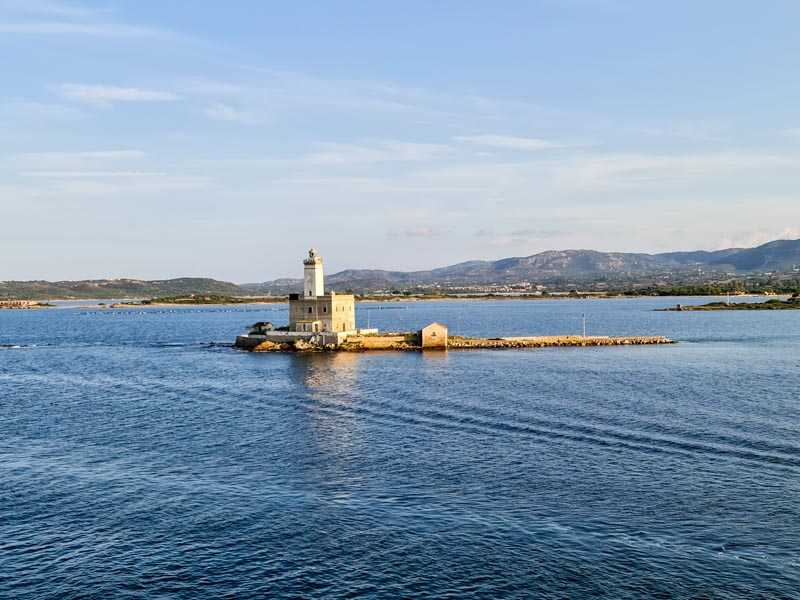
{"x":313,"y":282}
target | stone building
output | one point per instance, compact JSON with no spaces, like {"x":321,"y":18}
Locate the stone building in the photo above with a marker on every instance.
{"x":433,"y":336}
{"x":316,"y":311}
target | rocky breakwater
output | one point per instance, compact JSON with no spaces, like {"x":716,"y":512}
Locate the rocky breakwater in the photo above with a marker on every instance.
{"x":411,"y":341}
{"x":465,"y":343}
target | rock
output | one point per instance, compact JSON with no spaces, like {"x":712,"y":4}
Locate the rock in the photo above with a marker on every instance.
{"x":265,"y":347}
{"x":303,"y":346}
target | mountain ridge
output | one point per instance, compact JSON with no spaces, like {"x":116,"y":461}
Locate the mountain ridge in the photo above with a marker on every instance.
{"x":556,"y":268}
{"x":555,"y":265}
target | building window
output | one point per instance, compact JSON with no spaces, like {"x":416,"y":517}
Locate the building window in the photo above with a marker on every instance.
{"x":324,"y":309}
{"x":309,"y":310}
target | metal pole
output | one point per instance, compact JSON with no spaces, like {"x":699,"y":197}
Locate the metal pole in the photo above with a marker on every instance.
{"x":584,"y":324}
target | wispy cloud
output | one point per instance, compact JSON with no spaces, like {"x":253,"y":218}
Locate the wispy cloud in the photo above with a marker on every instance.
{"x":106,"y":95}
{"x":418,"y":232}
{"x":751,"y":239}
{"x":523,"y":237}
{"x":80,"y":188}
{"x":54,"y":9}
{"x":620,"y":170}
{"x":89,"y":174}
{"x":106,"y":30}
{"x":40,"y":111}
{"x":425,"y":232}
{"x":517,"y":143}
{"x":278,"y":91}
{"x":379,"y":151}
{"x":223,"y":112}
{"x":791,"y":132}
{"x":699,"y":133}
{"x":47,"y":18}
{"x":97,"y":154}
{"x":367,"y":152}
{"x":78,"y":161}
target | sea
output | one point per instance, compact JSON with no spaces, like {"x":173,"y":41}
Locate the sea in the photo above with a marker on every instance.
{"x":143,"y":456}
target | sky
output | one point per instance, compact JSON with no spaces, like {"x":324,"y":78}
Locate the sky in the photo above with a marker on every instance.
{"x":152,"y":139}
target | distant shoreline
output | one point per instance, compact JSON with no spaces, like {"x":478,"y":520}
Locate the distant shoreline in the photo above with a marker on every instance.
{"x":137,"y":303}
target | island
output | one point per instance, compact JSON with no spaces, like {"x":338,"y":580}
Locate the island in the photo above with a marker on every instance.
{"x":326,"y":321}
{"x":198,"y":300}
{"x":792,"y":303}
{"x":433,"y":337}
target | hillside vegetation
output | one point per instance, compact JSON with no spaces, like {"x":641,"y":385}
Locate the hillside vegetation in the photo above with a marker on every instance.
{"x":106,"y":289}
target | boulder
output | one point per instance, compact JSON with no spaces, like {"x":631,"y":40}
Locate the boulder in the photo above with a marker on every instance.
{"x":266,"y":347}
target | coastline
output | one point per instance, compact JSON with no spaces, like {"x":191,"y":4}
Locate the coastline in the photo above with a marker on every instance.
{"x":120,"y":303}
{"x":134,"y":302}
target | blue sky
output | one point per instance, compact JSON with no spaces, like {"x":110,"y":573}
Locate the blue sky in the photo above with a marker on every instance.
{"x":160,"y":139}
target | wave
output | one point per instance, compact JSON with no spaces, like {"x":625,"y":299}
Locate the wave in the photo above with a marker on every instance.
{"x":545,"y":430}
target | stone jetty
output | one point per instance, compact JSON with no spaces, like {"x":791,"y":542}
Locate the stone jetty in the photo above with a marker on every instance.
{"x":466,"y":343}
{"x":415,"y":341}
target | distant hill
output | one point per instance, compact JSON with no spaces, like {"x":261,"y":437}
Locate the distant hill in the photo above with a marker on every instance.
{"x":701,"y":256}
{"x":556,"y":268}
{"x":778,"y":256}
{"x":560,"y":266}
{"x":108,"y":289}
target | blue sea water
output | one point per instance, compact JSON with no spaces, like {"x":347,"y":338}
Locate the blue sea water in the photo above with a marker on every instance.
{"x":143,"y":457}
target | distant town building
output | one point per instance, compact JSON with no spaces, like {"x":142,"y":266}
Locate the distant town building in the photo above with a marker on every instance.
{"x":316,"y":311}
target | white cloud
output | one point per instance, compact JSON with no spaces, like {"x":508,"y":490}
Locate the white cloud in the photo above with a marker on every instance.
{"x":44,"y":7}
{"x":106,"y":30}
{"x":107,"y":94}
{"x":425,"y":232}
{"x":791,"y":132}
{"x":517,"y":143}
{"x":223,"y":112}
{"x":524,"y":237}
{"x":40,"y":111}
{"x":280,"y":91}
{"x":81,"y":188}
{"x":372,"y":152}
{"x":751,"y":239}
{"x":622,"y":170}
{"x":79,"y":161}
{"x":92,"y":155}
{"x":90,"y":174}
{"x":699,"y":133}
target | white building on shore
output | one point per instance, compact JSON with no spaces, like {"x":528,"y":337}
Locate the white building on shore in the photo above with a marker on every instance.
{"x":314,"y":316}
{"x":316,"y":311}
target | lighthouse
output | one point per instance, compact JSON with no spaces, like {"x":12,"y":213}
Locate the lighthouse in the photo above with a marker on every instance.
{"x":313,"y":282}
{"x":318,"y":312}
